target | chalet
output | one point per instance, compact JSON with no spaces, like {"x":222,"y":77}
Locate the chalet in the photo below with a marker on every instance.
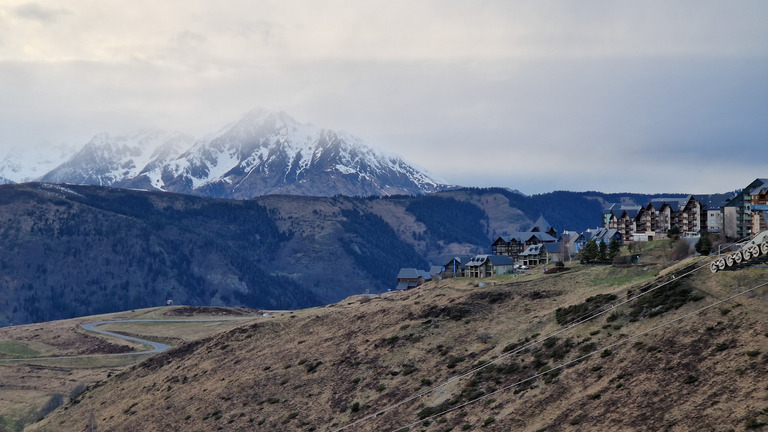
{"x":456,"y":267}
{"x":483,"y":266}
{"x":534,"y":255}
{"x":542,"y":226}
{"x":573,"y":241}
{"x":411,"y":278}
{"x":544,"y":253}
{"x":603,"y":235}
{"x":516,"y":243}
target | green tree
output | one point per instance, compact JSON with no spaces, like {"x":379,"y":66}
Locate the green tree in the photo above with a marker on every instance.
{"x":603,"y":251}
{"x":590,"y":252}
{"x":704,"y":245}
{"x":674,"y":232}
{"x":614,"y":248}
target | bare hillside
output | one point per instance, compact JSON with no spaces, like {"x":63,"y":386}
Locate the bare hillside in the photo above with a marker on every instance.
{"x":333,"y":368}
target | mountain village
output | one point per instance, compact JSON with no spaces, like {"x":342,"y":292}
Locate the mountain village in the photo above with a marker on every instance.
{"x":541,"y":245}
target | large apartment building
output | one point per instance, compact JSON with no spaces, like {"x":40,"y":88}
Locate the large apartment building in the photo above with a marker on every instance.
{"x":741,"y":215}
{"x":654,"y":220}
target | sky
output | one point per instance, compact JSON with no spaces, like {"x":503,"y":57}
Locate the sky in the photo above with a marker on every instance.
{"x":616,"y":96}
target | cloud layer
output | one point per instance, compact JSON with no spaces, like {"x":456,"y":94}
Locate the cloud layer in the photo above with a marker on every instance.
{"x":537,"y":95}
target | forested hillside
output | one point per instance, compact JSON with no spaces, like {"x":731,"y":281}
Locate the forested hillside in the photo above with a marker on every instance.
{"x":77,"y":250}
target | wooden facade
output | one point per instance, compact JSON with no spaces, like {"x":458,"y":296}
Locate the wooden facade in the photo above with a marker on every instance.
{"x":654,"y":220}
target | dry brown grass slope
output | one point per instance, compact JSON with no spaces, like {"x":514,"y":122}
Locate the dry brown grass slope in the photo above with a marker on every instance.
{"x":323,"y":369}
{"x":32,"y":369}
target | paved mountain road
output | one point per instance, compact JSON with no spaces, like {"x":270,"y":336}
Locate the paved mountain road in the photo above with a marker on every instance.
{"x":156,"y":346}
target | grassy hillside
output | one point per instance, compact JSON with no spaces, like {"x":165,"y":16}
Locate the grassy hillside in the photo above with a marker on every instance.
{"x":44,"y":365}
{"x":503,"y":356}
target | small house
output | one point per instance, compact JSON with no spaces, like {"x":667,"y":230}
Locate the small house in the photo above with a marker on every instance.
{"x":483,"y":266}
{"x":411,"y":278}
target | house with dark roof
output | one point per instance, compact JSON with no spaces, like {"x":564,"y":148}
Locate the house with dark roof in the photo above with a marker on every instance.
{"x":483,"y":266}
{"x":603,"y":235}
{"x":411,"y":278}
{"x":541,"y":225}
{"x":456,"y":267}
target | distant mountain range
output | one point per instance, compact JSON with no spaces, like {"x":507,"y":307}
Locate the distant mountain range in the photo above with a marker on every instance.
{"x":262,"y":153}
{"x":72,"y":250}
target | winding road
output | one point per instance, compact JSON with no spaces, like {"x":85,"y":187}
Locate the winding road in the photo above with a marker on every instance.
{"x":157,"y":347}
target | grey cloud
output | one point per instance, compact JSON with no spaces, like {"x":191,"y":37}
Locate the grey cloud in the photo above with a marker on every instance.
{"x":36,"y":12}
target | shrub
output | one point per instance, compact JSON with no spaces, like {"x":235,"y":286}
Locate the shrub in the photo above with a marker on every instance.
{"x":690,"y":379}
{"x":488,"y":421}
{"x":589,"y":306}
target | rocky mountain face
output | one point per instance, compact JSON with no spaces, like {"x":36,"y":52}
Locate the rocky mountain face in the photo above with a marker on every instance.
{"x":262,"y":153}
{"x":114,"y":160}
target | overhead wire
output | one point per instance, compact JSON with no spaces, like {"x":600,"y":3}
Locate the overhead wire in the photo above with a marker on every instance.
{"x":585,"y":356}
{"x":581,"y":320}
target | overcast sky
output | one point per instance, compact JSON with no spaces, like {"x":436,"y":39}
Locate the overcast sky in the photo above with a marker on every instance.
{"x":615,"y":96}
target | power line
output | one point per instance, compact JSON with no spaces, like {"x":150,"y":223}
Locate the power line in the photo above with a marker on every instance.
{"x":581,"y":320}
{"x":623,"y":341}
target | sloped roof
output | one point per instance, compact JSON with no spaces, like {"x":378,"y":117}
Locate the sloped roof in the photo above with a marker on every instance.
{"x":496,"y":260}
{"x":408,"y":273}
{"x":541,"y":225}
{"x":461,"y":259}
{"x":500,"y":260}
{"x":412,"y":273}
{"x":533,"y":250}
{"x":523,"y":237}
{"x":601,"y":234}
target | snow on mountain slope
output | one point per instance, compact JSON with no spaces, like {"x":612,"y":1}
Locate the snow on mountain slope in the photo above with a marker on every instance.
{"x":267,"y":153}
{"x":24,"y":165}
{"x":110,"y":160}
{"x":262,"y":153}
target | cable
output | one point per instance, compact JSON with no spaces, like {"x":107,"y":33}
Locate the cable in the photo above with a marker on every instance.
{"x":667,"y":323}
{"x":584,"y":318}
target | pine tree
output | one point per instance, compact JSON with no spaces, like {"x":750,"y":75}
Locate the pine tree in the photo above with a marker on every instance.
{"x":590,"y":252}
{"x":603,"y":252}
{"x":614,"y":249}
{"x":704,"y":245}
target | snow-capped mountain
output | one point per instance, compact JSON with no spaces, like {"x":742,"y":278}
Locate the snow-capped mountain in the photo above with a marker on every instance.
{"x":24,"y":165}
{"x":262,"y":153}
{"x":112,"y":160}
{"x":271,"y":153}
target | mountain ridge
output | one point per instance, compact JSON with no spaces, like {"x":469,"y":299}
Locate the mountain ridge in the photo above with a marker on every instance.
{"x":261,"y":153}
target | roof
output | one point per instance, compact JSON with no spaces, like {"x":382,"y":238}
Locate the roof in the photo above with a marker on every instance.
{"x":500,"y":260}
{"x":553,"y":248}
{"x":412,"y":273}
{"x":533,"y":250}
{"x":601,"y":234}
{"x":461,"y":259}
{"x":541,"y":225}
{"x":408,"y":273}
{"x":496,"y":260}
{"x":523,"y":237}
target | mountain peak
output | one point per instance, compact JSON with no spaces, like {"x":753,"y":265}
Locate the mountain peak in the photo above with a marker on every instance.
{"x":263,"y":152}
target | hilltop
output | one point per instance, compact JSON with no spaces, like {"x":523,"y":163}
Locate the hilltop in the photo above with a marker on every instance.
{"x":324,"y":368}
